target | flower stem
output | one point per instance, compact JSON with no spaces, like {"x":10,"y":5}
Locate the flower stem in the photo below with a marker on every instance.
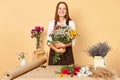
{"x":38,"y":43}
{"x":56,"y":58}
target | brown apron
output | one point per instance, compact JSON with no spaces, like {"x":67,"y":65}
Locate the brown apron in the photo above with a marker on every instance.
{"x":65,"y":59}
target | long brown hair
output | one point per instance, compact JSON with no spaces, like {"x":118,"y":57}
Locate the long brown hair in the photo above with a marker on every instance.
{"x":67,"y":17}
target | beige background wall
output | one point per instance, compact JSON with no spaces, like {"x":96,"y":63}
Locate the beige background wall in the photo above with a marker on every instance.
{"x":96,"y":20}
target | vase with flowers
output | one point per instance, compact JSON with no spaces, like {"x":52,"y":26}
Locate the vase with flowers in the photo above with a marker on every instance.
{"x":36,"y":32}
{"x":98,"y":52}
{"x":21,"y":57}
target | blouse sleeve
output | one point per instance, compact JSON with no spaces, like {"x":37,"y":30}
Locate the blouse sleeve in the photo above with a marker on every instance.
{"x":50,"y":28}
{"x":72,"y":24}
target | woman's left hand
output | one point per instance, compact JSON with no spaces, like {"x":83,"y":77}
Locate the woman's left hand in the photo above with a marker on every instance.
{"x":61,"y":50}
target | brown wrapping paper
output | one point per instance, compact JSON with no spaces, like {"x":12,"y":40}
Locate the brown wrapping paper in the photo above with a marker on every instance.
{"x":23,"y":69}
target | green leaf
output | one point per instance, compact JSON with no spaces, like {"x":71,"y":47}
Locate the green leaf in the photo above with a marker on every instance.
{"x":56,"y":58}
{"x":57,"y":72}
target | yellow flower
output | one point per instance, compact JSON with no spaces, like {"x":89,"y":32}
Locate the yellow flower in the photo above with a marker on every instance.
{"x":73,"y":33}
{"x":61,"y":75}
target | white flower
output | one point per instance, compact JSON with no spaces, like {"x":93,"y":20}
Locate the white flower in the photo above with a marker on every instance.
{"x":84,"y":71}
{"x":79,"y":74}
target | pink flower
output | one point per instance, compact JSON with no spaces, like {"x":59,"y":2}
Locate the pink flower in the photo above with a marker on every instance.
{"x":57,"y":27}
{"x":39,"y":28}
{"x":37,"y":31}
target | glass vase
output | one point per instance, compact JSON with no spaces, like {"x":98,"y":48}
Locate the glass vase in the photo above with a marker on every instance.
{"x":37,"y":43}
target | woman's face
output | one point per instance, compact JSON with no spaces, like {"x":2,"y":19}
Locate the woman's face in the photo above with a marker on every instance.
{"x":62,"y":10}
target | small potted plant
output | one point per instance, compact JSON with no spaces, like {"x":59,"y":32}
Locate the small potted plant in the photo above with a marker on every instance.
{"x":99,"y":51}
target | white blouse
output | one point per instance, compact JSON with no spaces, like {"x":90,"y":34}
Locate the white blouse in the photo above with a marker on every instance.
{"x":51,"y":27}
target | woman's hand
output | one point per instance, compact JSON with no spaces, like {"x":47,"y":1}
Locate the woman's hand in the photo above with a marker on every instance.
{"x":59,"y":44}
{"x":61,"y":50}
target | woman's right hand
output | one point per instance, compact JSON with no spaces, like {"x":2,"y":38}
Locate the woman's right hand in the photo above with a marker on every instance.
{"x":59,"y":44}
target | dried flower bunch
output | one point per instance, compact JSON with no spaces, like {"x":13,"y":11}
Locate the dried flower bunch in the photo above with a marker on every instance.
{"x":100,"y":49}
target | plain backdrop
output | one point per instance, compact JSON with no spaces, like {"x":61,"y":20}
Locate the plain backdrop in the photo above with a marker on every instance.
{"x":96,"y":21}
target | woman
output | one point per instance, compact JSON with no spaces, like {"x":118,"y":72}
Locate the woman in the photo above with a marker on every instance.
{"x":61,"y":18}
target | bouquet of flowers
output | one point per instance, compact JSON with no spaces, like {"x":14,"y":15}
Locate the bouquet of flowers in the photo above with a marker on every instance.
{"x":68,"y":70}
{"x":36,"y":32}
{"x":63,"y":34}
{"x":74,"y":70}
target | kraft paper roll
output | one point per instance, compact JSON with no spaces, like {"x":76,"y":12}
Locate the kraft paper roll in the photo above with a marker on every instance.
{"x":23,"y":69}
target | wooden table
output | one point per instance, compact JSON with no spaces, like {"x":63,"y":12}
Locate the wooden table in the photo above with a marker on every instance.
{"x":48,"y":73}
